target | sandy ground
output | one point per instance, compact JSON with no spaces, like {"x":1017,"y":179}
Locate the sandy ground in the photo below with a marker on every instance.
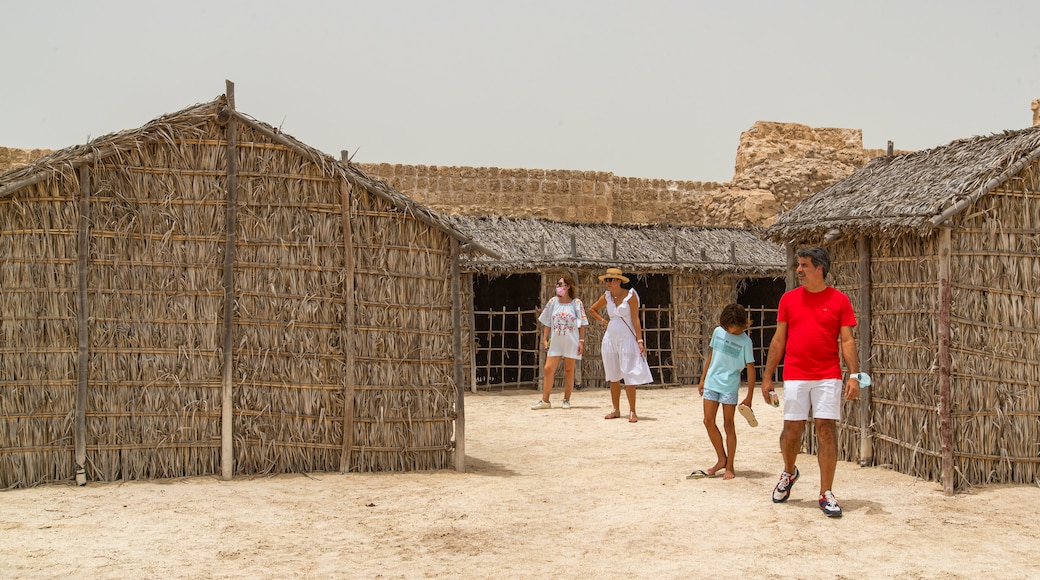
{"x":548,"y":494}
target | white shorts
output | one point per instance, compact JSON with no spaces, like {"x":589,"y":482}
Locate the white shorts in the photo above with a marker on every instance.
{"x":824,"y":397}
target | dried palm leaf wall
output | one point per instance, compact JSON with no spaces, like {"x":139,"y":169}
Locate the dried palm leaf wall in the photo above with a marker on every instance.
{"x":995,"y":334}
{"x":405,"y":398}
{"x":994,"y":343}
{"x":38,"y":341}
{"x":155,"y":299}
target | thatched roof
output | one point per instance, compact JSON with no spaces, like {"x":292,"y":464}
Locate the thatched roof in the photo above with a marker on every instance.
{"x":537,"y":244}
{"x":911,"y":192}
{"x":189,"y":121}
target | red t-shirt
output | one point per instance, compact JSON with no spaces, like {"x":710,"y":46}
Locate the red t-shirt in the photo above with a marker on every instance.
{"x":814,"y":321}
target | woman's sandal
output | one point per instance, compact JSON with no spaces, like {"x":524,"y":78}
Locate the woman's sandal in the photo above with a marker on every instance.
{"x":615,"y":414}
{"x":632,"y":418}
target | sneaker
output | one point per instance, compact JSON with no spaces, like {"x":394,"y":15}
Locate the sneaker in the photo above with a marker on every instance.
{"x":782,"y":491}
{"x":566,"y":404}
{"x":829,"y":504}
{"x":541,"y":405}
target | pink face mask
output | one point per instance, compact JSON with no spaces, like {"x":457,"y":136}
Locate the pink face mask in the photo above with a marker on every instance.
{"x":561,"y":291}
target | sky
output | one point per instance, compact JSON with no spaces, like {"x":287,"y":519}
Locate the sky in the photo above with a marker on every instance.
{"x":642,"y":88}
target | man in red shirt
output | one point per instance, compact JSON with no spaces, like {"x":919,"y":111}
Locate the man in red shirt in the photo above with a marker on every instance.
{"x":812,"y":321}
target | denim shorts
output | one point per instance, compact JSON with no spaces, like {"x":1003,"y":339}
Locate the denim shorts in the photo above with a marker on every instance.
{"x":724,"y":398}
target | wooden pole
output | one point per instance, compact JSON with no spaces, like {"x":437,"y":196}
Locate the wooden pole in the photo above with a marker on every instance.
{"x":83,"y":365}
{"x":227,"y":449}
{"x":472,"y":336}
{"x":792,"y":261}
{"x":866,"y":446}
{"x":460,"y":390}
{"x":945,"y":417}
{"x":349,"y":324}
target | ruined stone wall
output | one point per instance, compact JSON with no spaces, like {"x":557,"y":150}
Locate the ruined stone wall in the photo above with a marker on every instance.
{"x":575,"y":196}
{"x":777,"y":165}
{"x":15,"y":158}
{"x":794,"y":161}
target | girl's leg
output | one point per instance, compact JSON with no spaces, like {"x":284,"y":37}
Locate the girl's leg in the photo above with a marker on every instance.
{"x":711,"y":408}
{"x":568,"y":377}
{"x":730,"y":425}
{"x":551,"y":363}
{"x":630,"y":391}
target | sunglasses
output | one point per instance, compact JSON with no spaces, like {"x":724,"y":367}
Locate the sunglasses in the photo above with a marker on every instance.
{"x":558,"y":284}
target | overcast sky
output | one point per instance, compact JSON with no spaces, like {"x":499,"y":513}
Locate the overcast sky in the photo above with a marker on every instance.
{"x":644,"y":88}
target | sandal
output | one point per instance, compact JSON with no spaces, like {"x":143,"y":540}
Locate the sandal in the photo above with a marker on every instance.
{"x":632,"y":418}
{"x":615,"y":414}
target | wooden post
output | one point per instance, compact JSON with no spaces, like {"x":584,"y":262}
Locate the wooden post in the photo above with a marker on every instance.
{"x":472,"y":336}
{"x":227,"y":449}
{"x":945,"y":418}
{"x":792,"y":261}
{"x":349,"y":326}
{"x":460,"y":390}
{"x":866,"y":446}
{"x":83,"y":327}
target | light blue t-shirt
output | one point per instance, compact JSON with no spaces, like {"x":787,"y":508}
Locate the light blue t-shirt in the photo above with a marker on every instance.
{"x":730,"y":353}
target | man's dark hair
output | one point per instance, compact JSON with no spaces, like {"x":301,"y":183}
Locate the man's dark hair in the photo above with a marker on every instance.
{"x":819,"y":257}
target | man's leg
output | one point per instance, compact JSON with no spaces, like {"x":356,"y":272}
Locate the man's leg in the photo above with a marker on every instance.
{"x":827,"y":454}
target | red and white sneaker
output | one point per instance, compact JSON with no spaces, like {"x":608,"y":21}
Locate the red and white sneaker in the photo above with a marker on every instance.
{"x":829,"y":504}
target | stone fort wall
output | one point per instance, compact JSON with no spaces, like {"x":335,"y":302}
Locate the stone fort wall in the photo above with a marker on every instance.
{"x":777,"y":165}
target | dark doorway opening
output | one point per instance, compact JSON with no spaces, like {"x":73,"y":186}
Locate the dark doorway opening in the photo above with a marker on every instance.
{"x":505,"y":329}
{"x":761,"y":297}
{"x":655,"y":310}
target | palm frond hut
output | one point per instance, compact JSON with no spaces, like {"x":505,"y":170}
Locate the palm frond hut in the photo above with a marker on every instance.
{"x":684,"y":275}
{"x":942,"y":250}
{"x":206,"y":295}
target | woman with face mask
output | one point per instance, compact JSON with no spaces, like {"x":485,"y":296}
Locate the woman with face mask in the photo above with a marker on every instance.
{"x":563,"y":337}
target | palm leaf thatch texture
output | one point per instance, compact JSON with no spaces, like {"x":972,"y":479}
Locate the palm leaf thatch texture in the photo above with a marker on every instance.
{"x":705,"y":266}
{"x":944,"y":247}
{"x":536,"y":244}
{"x":113,"y":290}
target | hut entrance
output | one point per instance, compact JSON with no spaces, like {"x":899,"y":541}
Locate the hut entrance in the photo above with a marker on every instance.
{"x":505,"y":327}
{"x":761,"y":298}
{"x":656,"y":309}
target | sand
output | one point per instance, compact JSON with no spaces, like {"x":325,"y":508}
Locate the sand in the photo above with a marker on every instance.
{"x":548,"y":494}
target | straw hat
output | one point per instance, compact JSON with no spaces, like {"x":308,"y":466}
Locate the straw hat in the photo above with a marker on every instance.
{"x":614,"y":273}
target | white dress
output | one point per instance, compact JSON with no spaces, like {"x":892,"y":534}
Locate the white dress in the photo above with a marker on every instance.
{"x":564,"y":320}
{"x":620,"y":349}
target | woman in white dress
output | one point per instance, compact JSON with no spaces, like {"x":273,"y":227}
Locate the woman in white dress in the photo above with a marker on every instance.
{"x":564,"y":339}
{"x":624,"y":354}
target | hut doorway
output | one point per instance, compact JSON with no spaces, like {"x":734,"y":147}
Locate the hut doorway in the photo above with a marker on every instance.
{"x":656,"y":313}
{"x":761,"y":298}
{"x":505,"y":329}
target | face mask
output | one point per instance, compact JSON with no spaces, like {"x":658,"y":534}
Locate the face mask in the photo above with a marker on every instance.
{"x":561,"y":291}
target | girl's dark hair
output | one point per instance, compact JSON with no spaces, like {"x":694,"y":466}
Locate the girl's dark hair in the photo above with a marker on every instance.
{"x":733,"y":315}
{"x":572,"y":287}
